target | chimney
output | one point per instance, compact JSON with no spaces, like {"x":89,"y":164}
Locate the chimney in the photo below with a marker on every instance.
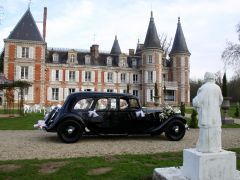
{"x":94,"y":50}
{"x":44,"y":22}
{"x":131,"y":52}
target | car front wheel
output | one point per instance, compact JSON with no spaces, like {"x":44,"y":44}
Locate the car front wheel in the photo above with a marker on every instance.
{"x":175,"y":130}
{"x":69,"y":131}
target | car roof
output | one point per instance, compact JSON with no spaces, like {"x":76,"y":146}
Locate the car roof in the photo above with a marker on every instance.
{"x":89,"y":94}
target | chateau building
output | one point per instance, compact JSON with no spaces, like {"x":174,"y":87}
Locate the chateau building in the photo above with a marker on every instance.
{"x":55,"y":73}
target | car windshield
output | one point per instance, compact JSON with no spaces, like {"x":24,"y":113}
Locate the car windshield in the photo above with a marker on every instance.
{"x":83,"y":104}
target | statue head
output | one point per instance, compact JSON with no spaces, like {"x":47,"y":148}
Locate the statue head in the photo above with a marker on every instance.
{"x":209,"y":77}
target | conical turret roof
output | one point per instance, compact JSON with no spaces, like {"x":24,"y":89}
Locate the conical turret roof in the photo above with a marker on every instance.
{"x":179,"y":43}
{"x":152,"y":39}
{"x":116,"y":48}
{"x":26,"y":29}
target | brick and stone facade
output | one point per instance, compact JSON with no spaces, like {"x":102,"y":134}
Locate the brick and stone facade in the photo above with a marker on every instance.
{"x":55,"y":73}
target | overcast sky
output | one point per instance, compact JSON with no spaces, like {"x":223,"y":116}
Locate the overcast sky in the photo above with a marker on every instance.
{"x":207,"y":24}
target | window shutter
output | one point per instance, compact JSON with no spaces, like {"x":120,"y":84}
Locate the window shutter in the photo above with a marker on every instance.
{"x":30,"y":75}
{"x":127,"y":77}
{"x":60,"y":75}
{"x":114,"y":77}
{"x":105,"y":76}
{"x":31,"y":53}
{"x":77,"y":76}
{"x":146,"y":76}
{"x":53,"y":77}
{"x":19,"y":52}
{"x":130,"y":78}
{"x":60,"y":94}
{"x":148,"y":95}
{"x":154,"y":76}
{"x":49,"y":94}
{"x":18,"y":73}
{"x":76,"y":89}
{"x":92,"y":76}
{"x":30,"y":93}
{"x":119,"y":77}
{"x":83,"y":76}
{"x":65,"y":93}
{"x":67,"y":75}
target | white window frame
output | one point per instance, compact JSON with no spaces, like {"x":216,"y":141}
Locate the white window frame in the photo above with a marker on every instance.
{"x":55,"y":58}
{"x":72,"y":76}
{"x":24,"y":72}
{"x":87,"y":60}
{"x":123,"y":77}
{"x":110,"y":77}
{"x":109,"y":61}
{"x":150,"y":76}
{"x":55,"y":94}
{"x":135,"y":92}
{"x":71,"y":90}
{"x":134,"y":62}
{"x":109,"y":90}
{"x":25,"y":52}
{"x":151,"y":92}
{"x":135,"y":78}
{"x":72,"y":58}
{"x":150,"y":59}
{"x":88,"y":76}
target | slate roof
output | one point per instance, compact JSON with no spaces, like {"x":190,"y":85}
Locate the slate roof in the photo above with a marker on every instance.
{"x":152,"y":39}
{"x":26,"y":29}
{"x":179,"y":43}
{"x":101,"y":60}
{"x":116,"y":48}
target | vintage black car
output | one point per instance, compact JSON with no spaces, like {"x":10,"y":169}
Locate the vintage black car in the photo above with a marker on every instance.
{"x":97,"y":113}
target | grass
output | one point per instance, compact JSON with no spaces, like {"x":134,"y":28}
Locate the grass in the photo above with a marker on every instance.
{"x":20,"y":123}
{"x":128,"y":167}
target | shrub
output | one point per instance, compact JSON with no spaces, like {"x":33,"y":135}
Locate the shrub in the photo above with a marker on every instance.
{"x":193,"y":121}
{"x":182,"y":108}
{"x":236,"y":114}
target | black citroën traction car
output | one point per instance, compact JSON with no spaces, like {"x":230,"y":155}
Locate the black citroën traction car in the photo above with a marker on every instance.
{"x":95,"y":113}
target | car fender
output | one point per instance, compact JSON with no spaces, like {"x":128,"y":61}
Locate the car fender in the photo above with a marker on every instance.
{"x":69,"y":116}
{"x":159,"y":129}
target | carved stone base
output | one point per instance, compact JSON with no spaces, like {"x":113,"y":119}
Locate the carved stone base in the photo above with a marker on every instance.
{"x":201,"y":166}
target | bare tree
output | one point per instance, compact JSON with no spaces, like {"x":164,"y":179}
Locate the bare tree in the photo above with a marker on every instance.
{"x":165,"y":43}
{"x":231,"y":54}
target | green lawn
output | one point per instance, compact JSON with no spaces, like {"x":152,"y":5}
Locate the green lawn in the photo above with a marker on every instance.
{"x":20,"y":123}
{"x":107,"y":167}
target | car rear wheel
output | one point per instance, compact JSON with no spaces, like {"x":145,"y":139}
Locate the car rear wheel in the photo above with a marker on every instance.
{"x":69,"y":131}
{"x":175,"y":130}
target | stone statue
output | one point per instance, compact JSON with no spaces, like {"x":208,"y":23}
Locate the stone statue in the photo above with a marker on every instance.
{"x":207,"y":102}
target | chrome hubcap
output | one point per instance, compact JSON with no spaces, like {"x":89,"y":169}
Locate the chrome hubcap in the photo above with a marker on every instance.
{"x":176,"y":129}
{"x":70,"y":130}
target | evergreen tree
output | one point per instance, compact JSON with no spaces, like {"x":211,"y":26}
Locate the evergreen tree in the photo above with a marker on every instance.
{"x":224,"y":85}
{"x":194,"y":121}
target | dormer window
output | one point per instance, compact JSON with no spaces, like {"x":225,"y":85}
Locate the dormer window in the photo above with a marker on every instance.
{"x":72,"y":58}
{"x":109,"y":61}
{"x":87,"y":59}
{"x":134,"y":62}
{"x":123,"y":63}
{"x":55,"y":58}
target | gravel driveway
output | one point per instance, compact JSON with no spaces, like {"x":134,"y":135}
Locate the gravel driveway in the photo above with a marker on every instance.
{"x":42,"y":145}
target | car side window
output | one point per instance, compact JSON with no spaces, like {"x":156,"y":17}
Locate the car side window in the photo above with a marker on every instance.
{"x":101,"y":104}
{"x":123,"y":104}
{"x":83,"y":104}
{"x":134,"y":103}
{"x":112,"y":103}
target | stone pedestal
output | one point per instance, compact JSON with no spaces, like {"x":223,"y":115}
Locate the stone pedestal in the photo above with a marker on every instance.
{"x":201,"y":166}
